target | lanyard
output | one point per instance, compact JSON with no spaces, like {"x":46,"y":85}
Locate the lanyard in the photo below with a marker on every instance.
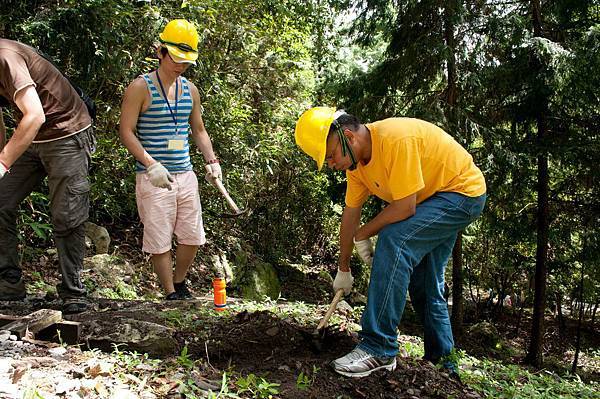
{"x":173,"y":114}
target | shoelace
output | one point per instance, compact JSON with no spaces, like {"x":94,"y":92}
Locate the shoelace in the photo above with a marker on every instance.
{"x":357,"y":355}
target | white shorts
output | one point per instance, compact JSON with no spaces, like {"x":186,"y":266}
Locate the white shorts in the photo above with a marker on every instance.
{"x":166,"y":212}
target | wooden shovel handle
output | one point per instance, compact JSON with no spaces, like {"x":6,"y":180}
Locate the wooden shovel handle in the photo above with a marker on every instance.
{"x":219,"y":184}
{"x":338,"y":296}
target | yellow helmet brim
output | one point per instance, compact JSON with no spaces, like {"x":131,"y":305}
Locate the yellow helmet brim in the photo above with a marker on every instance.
{"x":312,"y":130}
{"x":181,"y":56}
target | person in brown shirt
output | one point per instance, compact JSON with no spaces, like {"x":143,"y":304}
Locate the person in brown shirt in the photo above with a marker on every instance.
{"x":53,"y":138}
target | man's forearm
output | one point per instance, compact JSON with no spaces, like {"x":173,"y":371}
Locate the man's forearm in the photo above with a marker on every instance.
{"x":350,"y":221}
{"x":204,"y":144}
{"x":394,"y":212}
{"x":21,"y":139}
{"x":136,"y":149}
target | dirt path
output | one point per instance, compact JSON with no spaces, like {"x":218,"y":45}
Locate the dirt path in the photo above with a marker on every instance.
{"x":257,"y":349}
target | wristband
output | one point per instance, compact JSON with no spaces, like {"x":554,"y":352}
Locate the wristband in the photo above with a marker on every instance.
{"x":5,"y":167}
{"x":213,"y":161}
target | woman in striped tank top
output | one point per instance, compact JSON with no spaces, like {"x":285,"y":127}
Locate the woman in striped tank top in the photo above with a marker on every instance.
{"x":160,"y":110}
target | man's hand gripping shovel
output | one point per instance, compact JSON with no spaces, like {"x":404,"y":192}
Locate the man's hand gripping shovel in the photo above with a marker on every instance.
{"x":236,"y":211}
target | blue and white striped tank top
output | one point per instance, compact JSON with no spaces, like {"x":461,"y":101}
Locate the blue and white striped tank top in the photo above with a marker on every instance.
{"x":155,"y":127}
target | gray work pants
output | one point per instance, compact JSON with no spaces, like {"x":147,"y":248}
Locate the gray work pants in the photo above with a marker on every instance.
{"x":66,"y":163}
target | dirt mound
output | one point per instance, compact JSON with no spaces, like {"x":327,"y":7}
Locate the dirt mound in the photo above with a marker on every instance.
{"x":262,"y":335}
{"x":279,"y":350}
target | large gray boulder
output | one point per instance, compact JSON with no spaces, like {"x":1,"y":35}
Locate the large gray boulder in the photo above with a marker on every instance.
{"x":109,"y":276}
{"x":98,"y":236}
{"x":134,"y":335}
{"x":255,"y":279}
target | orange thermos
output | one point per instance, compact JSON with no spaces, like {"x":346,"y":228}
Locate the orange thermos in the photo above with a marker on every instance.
{"x":220,"y":296}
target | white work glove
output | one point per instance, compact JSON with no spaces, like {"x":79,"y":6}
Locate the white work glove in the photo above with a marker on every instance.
{"x":3,"y":170}
{"x":213,"y":172}
{"x":365,"y":250}
{"x":159,"y":176}
{"x":343,"y":281}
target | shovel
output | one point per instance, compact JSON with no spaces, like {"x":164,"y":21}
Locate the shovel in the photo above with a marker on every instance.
{"x":234,"y":208}
{"x":319,"y":333}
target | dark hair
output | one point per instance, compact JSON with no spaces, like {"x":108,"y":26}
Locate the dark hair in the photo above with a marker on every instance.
{"x":345,"y":121}
{"x":163,"y":51}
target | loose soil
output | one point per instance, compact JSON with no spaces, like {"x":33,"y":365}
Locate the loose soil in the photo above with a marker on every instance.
{"x":278,"y":350}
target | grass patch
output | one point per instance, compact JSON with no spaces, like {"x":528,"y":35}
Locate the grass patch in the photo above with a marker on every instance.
{"x":495,"y":379}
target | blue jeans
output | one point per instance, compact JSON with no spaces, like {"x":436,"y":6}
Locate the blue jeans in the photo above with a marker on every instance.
{"x":411,"y":255}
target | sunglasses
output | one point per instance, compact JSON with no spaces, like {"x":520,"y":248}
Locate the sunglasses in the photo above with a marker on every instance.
{"x":330,"y":156}
{"x":181,"y":46}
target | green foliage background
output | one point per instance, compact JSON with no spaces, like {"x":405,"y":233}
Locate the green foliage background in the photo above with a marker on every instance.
{"x":263,"y":62}
{"x":255,"y":75}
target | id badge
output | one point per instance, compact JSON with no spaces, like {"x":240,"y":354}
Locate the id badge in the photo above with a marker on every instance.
{"x":176,"y":144}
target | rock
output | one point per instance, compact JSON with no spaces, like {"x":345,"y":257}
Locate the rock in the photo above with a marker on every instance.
{"x":4,"y":335}
{"x":108,"y":265}
{"x":261,"y":281}
{"x":12,"y":337}
{"x":99,"y":237}
{"x":359,"y":298}
{"x":57,"y":352}
{"x":485,"y":334}
{"x":138,"y":335}
{"x":108,"y":274}
{"x":9,"y":391}
{"x":222,"y":267}
{"x":257,"y":278}
{"x":43,"y":361}
{"x":273,"y":331}
{"x":65,"y":385}
{"x":343,"y":306}
{"x":5,"y":365}
{"x":123,"y":393}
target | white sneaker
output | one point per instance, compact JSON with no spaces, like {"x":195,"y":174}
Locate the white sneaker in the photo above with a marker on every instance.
{"x":359,"y":363}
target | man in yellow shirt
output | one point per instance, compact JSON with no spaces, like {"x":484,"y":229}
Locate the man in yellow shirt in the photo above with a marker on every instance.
{"x":433,"y":190}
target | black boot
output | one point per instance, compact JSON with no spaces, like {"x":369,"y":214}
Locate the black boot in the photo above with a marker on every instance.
{"x":75,"y":305}
{"x":182,"y":290}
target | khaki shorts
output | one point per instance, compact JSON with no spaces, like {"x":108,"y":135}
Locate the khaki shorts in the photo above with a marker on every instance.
{"x":166,"y":212}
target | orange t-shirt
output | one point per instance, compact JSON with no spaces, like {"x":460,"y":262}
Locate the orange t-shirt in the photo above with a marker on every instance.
{"x":411,"y":156}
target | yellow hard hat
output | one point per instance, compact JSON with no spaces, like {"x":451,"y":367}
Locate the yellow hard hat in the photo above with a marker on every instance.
{"x":312,"y":129}
{"x":181,"y":39}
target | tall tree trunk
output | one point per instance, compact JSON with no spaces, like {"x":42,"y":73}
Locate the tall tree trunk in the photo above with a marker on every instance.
{"x":451,"y":93}
{"x":581,"y":309}
{"x":560,"y":317}
{"x":594,"y":315}
{"x":519,"y":318}
{"x":457,"y":288}
{"x":534,"y":353}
